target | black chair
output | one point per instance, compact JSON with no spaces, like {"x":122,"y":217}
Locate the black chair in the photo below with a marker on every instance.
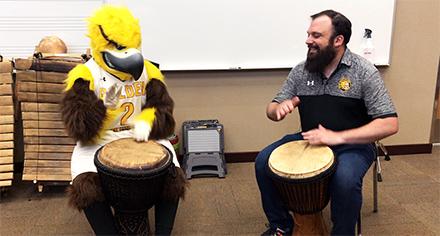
{"x":377,"y":177}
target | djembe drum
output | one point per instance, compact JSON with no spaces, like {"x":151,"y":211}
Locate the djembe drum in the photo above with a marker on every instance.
{"x":132,"y":176}
{"x":301,"y":172}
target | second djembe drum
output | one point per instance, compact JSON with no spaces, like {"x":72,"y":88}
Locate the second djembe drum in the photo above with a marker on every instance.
{"x":132,"y":176}
{"x":301,"y":172}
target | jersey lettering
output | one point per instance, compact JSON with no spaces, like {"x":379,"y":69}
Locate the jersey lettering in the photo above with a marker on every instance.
{"x":129,"y":92}
{"x":136,"y":89}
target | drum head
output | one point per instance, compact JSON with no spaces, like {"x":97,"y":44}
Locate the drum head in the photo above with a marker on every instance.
{"x":126,"y":153}
{"x":300,"y":160}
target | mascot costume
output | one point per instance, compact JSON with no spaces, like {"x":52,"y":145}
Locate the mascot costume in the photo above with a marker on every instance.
{"x":116,"y":94}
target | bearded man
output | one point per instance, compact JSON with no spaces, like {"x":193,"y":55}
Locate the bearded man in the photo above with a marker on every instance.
{"x":343,"y":104}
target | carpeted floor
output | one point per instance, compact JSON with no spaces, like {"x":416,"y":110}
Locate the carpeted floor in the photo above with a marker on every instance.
{"x":409,"y":204}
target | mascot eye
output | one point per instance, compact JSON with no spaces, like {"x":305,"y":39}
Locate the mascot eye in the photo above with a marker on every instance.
{"x":115,"y":44}
{"x":118,"y":46}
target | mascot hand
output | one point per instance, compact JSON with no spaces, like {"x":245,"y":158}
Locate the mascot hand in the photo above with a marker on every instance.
{"x":111,"y":98}
{"x":141,"y":131}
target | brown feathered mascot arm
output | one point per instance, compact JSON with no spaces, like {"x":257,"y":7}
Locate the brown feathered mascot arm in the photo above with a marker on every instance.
{"x":156,"y":119}
{"x":83,"y":113}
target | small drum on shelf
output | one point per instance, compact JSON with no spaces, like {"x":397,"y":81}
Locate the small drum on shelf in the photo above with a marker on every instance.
{"x":301,"y":172}
{"x":132,"y":176}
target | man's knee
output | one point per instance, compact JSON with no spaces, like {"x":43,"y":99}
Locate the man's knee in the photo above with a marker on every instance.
{"x":345,"y":183}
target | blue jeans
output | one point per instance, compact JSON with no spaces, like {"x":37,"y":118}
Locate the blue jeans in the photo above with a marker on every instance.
{"x":353,"y":162}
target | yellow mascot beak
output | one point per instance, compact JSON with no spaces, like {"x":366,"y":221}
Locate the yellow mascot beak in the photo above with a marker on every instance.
{"x":129,"y":61}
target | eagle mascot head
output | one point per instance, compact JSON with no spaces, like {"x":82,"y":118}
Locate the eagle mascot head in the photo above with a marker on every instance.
{"x":115,"y":37}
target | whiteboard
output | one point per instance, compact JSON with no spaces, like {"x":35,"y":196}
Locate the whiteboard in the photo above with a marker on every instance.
{"x":249,"y":34}
{"x":24,"y":23}
{"x":200,"y":34}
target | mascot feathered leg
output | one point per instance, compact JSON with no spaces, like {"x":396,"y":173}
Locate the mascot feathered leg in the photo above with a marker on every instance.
{"x":86,"y":194}
{"x":116,"y":94}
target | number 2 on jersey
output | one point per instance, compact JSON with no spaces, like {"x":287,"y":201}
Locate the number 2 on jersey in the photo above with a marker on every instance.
{"x":129,"y":109}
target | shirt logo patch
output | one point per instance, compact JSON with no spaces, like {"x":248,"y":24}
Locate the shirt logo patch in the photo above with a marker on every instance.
{"x":344,"y":84}
{"x":310,"y":83}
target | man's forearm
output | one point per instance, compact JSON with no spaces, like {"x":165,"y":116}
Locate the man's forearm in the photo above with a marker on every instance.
{"x":375,"y":130}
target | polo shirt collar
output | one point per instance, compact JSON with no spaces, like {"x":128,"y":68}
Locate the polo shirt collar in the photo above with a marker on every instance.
{"x":347,"y":57}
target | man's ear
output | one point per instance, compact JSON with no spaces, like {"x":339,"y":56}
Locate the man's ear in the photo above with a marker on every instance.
{"x":338,"y":41}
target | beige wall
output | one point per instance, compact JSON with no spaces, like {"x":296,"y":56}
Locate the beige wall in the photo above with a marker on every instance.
{"x":412,"y":76}
{"x":238,"y":99}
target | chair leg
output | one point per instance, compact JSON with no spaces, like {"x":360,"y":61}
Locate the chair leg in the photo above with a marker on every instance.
{"x":384,"y":150}
{"x":375,"y":179}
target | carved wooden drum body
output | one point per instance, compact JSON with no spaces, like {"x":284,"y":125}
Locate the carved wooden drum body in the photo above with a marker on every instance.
{"x":301,"y":172}
{"x":132,"y":176}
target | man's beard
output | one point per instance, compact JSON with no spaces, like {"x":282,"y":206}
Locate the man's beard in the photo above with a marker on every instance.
{"x":318,"y":61}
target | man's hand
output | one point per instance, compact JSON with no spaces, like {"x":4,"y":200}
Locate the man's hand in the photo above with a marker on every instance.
{"x":323,"y":136}
{"x":111,"y":99}
{"x":277,"y":111}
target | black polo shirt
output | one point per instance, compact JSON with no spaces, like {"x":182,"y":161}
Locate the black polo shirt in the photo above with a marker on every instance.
{"x":354,"y":95}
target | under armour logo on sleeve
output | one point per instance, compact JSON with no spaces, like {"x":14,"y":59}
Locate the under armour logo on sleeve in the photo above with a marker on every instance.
{"x":310,"y":83}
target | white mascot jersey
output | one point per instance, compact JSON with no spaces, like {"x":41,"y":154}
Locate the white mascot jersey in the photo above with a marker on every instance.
{"x":133,"y":97}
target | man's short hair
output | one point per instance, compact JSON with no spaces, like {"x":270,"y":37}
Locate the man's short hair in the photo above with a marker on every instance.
{"x":341,"y":24}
